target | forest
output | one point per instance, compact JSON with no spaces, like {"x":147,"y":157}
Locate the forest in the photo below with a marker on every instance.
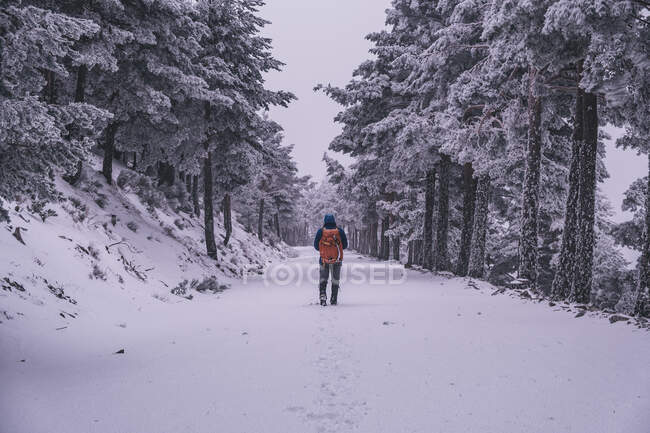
{"x":476,"y":130}
{"x":173,"y":90}
{"x":475,"y":127}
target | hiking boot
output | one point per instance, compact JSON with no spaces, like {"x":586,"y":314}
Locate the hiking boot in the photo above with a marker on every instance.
{"x":335,"y":293}
{"x":323,"y":299}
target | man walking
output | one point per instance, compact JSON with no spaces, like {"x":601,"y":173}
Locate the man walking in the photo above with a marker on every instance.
{"x":330,"y":241}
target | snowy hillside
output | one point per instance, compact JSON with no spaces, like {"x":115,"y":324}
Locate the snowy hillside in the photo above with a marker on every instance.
{"x":102,"y":247}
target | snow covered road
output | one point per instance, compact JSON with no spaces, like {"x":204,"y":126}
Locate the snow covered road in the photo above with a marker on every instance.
{"x":428,"y":355}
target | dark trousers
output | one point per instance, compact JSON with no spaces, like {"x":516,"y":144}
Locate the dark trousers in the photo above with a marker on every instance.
{"x":325,"y":270}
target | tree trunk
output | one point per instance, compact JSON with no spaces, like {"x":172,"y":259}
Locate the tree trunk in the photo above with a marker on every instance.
{"x":429,"y":199}
{"x":385,"y":248}
{"x":469,"y":198}
{"x":166,"y":174}
{"x":479,"y":233}
{"x":109,"y":151}
{"x":528,"y":247}
{"x":276,"y":222}
{"x":409,"y":258}
{"x":563,"y":279}
{"x":75,"y":130}
{"x":227,"y":217}
{"x":195,"y":195}
{"x":80,"y":91}
{"x":642,"y":306}
{"x":416,"y":252}
{"x":208,"y":209}
{"x":581,"y":290}
{"x":396,"y":246}
{"x":260,"y":222}
{"x":441,"y":258}
{"x":50,"y":87}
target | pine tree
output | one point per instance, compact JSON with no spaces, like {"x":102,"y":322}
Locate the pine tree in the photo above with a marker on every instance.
{"x":642,"y":305}
{"x":46,"y":43}
{"x":233,"y":59}
{"x":530,"y":208}
{"x":479,"y":233}
{"x":441,"y":260}
{"x":469,"y":200}
{"x":428,"y":218}
{"x":564,"y":275}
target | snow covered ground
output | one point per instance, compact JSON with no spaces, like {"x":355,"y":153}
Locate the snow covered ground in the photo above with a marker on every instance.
{"x":428,"y":355}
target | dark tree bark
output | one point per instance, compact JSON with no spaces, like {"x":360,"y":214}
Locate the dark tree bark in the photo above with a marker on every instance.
{"x":75,"y":130}
{"x":528,"y":241}
{"x":429,"y":200}
{"x":374,"y":239}
{"x":208,"y":208}
{"x":50,"y":87}
{"x":80,"y":91}
{"x":396,"y":247}
{"x":385,"y":248}
{"x":166,"y":174}
{"x":584,"y":258}
{"x":109,"y":151}
{"x":469,"y":198}
{"x":227,"y":217}
{"x":260,"y":222}
{"x":418,"y":252}
{"x":409,"y":259}
{"x":195,"y":195}
{"x":366,"y":239}
{"x":642,"y":306}
{"x":441,"y":255}
{"x":276,"y":222}
{"x":479,"y":233}
{"x":563,"y":279}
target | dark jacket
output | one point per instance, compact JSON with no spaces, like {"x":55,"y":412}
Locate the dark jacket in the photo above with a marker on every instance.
{"x":330,"y":223}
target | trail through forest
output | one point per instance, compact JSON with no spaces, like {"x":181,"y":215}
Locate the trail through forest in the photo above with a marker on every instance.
{"x":430,"y":354}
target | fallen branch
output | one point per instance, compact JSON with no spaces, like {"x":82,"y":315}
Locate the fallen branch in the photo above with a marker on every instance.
{"x":123,"y":242}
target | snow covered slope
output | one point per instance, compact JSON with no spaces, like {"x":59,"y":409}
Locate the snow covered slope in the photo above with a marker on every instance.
{"x":428,"y":355}
{"x":106,"y":251}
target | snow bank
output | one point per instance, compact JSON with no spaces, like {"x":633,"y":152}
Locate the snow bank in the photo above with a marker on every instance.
{"x":102,"y":246}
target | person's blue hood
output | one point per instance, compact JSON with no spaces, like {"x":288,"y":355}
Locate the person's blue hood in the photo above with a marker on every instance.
{"x":329,"y":221}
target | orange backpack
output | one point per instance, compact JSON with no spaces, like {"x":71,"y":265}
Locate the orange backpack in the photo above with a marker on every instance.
{"x":330,"y":247}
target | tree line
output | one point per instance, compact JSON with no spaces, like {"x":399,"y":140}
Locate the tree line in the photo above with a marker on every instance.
{"x":172,"y":89}
{"x":477,"y":135}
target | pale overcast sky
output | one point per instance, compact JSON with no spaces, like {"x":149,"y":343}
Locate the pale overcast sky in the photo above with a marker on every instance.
{"x":322,"y":41}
